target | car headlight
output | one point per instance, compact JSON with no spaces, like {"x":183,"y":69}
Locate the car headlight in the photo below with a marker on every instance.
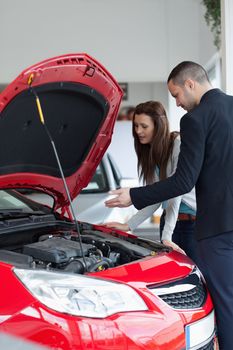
{"x":80,"y":295}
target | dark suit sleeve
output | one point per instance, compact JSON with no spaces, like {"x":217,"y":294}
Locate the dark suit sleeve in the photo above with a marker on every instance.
{"x":189,"y":165}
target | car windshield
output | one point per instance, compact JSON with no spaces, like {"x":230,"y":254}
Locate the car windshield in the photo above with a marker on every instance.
{"x":13,"y":203}
{"x":10,"y":202}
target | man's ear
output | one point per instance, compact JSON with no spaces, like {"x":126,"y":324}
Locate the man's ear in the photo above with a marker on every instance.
{"x":189,"y":84}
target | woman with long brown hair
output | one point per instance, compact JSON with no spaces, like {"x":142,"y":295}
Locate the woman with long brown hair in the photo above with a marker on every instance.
{"x":157,"y":151}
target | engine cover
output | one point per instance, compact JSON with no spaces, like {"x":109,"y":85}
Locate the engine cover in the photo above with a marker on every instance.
{"x":57,"y":250}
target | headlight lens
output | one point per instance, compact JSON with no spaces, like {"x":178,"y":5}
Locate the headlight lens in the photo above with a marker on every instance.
{"x":80,"y":295}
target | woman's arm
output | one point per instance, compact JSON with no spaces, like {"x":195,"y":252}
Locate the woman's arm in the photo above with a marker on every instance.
{"x":135,"y":220}
{"x":142,"y":215}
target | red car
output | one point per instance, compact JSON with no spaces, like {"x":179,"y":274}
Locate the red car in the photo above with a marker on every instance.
{"x":74,"y":285}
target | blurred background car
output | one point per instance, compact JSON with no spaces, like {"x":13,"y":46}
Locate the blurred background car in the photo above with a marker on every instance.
{"x":89,"y":204}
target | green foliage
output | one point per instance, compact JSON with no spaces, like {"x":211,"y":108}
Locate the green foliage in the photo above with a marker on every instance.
{"x":213,"y":19}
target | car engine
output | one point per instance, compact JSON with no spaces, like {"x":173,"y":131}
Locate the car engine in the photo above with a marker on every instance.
{"x":62,"y":251}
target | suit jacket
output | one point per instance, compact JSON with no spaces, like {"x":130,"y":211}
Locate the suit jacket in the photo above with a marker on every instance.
{"x":205,"y":161}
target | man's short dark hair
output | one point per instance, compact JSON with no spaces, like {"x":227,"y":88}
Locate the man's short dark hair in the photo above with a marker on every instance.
{"x":188,"y":70}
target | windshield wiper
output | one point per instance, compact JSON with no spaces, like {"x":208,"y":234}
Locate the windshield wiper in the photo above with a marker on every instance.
{"x":18,"y":213}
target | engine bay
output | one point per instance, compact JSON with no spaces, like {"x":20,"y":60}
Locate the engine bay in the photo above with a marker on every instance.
{"x":56,"y":249}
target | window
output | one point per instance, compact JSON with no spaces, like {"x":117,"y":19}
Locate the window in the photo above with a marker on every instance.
{"x":98,"y":182}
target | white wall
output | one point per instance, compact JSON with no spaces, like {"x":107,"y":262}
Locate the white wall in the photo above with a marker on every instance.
{"x":141,"y":92}
{"x":205,"y":38}
{"x":227,"y":50}
{"x":137,"y":40}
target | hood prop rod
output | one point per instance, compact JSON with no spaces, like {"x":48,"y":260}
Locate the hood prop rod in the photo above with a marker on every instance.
{"x":42,"y":120}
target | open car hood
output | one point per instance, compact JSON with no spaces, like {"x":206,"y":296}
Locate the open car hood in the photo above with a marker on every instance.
{"x":79,"y":101}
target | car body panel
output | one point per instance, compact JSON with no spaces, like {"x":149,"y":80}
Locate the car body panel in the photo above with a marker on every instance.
{"x":132,"y":330}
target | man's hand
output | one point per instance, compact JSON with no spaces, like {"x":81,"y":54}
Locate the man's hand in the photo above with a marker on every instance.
{"x":121,"y":200}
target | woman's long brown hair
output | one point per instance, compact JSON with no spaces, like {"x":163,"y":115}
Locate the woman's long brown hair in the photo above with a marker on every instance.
{"x":157,"y":153}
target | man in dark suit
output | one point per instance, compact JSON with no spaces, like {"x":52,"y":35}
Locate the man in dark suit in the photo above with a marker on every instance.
{"x":205,"y":161}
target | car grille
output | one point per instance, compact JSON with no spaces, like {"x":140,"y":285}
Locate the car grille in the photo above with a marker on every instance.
{"x":186,"y":300}
{"x":188,"y":293}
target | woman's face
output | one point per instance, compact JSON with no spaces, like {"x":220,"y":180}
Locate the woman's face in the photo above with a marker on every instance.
{"x":144,"y":128}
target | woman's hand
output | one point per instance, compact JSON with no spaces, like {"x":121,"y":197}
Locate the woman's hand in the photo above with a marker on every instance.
{"x":173,"y":246}
{"x":117,"y":225}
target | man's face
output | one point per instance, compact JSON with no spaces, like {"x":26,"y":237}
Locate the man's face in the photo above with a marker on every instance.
{"x":184,"y":95}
